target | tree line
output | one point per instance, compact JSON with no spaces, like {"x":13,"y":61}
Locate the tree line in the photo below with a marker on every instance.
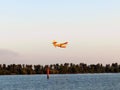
{"x":66,"y":68}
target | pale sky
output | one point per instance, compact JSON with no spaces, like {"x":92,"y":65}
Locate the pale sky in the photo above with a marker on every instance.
{"x":28,"y":27}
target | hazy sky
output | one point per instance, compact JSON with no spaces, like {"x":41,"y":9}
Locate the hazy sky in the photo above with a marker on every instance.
{"x":28,"y":27}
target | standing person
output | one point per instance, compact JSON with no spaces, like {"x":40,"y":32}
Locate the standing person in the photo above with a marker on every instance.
{"x":48,"y":72}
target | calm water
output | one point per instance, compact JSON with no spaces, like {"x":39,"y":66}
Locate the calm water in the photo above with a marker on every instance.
{"x":61,"y":82}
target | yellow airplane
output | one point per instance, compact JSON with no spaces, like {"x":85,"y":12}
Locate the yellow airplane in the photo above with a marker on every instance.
{"x":61,"y":45}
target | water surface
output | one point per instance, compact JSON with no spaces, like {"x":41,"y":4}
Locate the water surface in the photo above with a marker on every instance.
{"x":61,"y":82}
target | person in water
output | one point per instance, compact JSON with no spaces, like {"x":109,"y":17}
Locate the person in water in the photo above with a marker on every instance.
{"x":48,"y":72}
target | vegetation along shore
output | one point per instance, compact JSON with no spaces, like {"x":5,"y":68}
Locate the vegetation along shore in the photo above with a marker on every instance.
{"x":66,"y":68}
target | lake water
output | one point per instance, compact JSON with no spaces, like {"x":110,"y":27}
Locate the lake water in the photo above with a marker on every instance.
{"x":61,"y":82}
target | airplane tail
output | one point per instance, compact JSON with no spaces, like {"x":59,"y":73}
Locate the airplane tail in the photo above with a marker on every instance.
{"x":54,"y":43}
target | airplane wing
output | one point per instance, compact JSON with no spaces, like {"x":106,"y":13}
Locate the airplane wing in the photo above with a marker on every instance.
{"x":63,"y":43}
